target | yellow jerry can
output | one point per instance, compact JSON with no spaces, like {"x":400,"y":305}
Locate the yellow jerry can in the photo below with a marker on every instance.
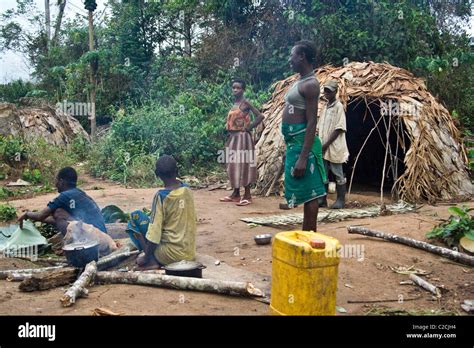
{"x":304,"y":274}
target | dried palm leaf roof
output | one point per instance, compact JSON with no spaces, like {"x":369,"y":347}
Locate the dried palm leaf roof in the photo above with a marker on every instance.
{"x":436,"y":161}
{"x":39,"y":121}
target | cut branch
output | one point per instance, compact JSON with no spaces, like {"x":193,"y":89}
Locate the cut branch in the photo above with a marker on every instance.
{"x":182,"y":283}
{"x":445,"y":252}
{"x":6,"y":273}
{"x":79,"y":289}
{"x":425,"y":285}
{"x":113,"y":260}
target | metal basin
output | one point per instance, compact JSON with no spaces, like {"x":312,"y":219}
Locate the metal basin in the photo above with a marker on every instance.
{"x":263,"y":239}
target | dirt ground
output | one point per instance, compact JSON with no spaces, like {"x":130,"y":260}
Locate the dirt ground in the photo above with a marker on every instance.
{"x":223,"y":236}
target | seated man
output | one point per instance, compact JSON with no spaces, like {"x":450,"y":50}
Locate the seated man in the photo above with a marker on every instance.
{"x":169,"y":235}
{"x":72,"y":204}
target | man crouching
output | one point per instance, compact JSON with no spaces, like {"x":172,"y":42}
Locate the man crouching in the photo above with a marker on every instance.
{"x":169,"y":234}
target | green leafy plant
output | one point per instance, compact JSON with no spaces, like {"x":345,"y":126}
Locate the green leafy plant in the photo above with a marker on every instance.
{"x":12,"y":150}
{"x":5,"y":193}
{"x":7,"y":212}
{"x":458,"y":225}
{"x":112,"y":213}
{"x":470,"y":156}
{"x":33,"y":176}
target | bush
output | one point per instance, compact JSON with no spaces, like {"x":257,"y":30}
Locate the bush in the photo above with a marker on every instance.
{"x":12,"y":150}
{"x":36,"y":161}
{"x":7,"y":212}
{"x":80,"y":148}
{"x":33,"y":176}
{"x":15,"y":90}
{"x":191,"y":127}
{"x":47,"y":159}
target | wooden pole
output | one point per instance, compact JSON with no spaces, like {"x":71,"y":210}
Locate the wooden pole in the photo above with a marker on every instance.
{"x":182,"y":283}
{"x":444,"y":252}
{"x":59,"y":18}
{"x":93,"y":68}
{"x":47,"y":21}
{"x":387,"y":144}
{"x":4,"y":274}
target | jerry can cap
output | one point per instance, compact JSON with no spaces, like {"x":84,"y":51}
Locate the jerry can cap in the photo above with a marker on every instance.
{"x":317,"y":243}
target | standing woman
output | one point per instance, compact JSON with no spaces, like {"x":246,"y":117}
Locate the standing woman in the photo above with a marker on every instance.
{"x":304,"y":168}
{"x":240,"y":149}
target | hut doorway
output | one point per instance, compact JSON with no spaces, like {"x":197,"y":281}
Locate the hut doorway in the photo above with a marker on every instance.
{"x":367,"y":139}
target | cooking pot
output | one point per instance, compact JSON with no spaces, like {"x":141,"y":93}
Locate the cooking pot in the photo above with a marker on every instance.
{"x":185,"y":269}
{"x":81,"y":253}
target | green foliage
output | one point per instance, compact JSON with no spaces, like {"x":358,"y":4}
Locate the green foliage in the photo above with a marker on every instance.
{"x":7,"y":212}
{"x":112,"y":213}
{"x":15,"y":90}
{"x":470,"y":156}
{"x":36,"y":161}
{"x":46,"y":230}
{"x":191,"y":127}
{"x":33,"y":176}
{"x":458,"y":225}
{"x":47,"y":159}
{"x":5,"y":193}
{"x":80,"y":148}
{"x":12,"y":150}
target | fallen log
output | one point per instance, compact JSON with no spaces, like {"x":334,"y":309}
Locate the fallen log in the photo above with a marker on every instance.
{"x":79,"y":288}
{"x":18,"y":277}
{"x":182,"y":283}
{"x":425,"y":285}
{"x":4,"y":274}
{"x":112,"y":260}
{"x":49,"y":280}
{"x":445,"y":252}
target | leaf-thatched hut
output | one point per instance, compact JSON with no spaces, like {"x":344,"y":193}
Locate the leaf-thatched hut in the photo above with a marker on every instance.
{"x":423,"y":159}
{"x":32,"y":122}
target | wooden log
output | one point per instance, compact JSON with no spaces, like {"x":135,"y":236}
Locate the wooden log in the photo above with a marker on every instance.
{"x":49,"y":280}
{"x":4,"y":274}
{"x":112,"y":260}
{"x":18,"y":277}
{"x":445,"y":252}
{"x":79,"y":288}
{"x":182,"y":283}
{"x":425,"y":285}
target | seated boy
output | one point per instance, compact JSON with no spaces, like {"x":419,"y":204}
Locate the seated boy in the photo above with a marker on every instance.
{"x":72,"y":204}
{"x":169,"y":235}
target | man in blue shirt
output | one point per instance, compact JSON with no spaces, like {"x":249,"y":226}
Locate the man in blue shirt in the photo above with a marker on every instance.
{"x":71,"y":204}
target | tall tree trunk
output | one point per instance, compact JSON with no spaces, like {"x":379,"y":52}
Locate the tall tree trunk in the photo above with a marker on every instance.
{"x":47,"y":22}
{"x":93,"y":68}
{"x":187,"y":25}
{"x":59,"y":19}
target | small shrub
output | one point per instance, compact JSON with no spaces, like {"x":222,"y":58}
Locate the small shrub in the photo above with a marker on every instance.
{"x":7,"y":212}
{"x":12,"y":150}
{"x":33,"y":176}
{"x":458,"y":225}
